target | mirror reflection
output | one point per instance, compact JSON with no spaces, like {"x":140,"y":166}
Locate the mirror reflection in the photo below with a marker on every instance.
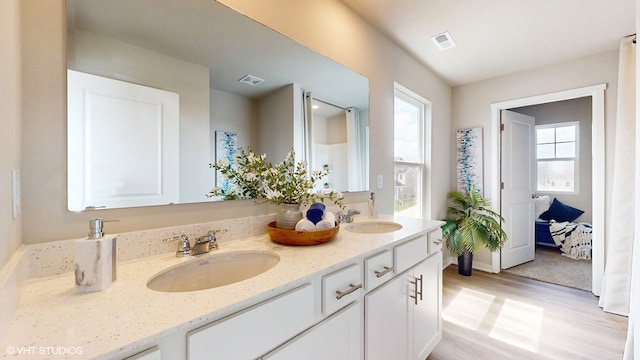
{"x":208,"y":70}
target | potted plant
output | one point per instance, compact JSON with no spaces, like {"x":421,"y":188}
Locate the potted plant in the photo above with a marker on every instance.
{"x":470,"y":224}
{"x":287,"y":184}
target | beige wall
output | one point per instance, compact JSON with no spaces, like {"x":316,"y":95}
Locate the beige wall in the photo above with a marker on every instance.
{"x":277,"y":114}
{"x":332,"y":29}
{"x":10,"y":103}
{"x":234,"y":113}
{"x":473,"y":101}
{"x":328,"y":27}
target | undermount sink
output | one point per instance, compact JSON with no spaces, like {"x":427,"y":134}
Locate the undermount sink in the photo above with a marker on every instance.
{"x":373,"y":227}
{"x":213,"y":271}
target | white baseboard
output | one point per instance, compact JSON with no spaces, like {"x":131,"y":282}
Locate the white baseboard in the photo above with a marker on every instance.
{"x":452,"y":260}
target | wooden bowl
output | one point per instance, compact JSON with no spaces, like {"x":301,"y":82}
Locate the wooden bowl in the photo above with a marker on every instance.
{"x":301,"y":238}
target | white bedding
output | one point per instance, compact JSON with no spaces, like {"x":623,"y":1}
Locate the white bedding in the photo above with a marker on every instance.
{"x":573,"y":238}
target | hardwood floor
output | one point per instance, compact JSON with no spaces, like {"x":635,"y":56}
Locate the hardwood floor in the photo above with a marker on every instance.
{"x":504,"y":316}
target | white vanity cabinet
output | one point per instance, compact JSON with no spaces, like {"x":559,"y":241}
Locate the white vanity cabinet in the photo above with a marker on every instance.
{"x":254,"y":331}
{"x":383,"y":305}
{"x":339,"y":337}
{"x":403,"y":316}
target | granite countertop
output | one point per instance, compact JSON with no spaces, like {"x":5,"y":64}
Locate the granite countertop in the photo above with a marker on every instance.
{"x":50,"y":317}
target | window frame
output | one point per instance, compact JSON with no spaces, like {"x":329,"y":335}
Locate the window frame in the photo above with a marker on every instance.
{"x":575,"y":159}
{"x":423,"y":151}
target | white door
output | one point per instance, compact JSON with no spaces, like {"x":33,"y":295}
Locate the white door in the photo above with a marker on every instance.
{"x":517,"y":207}
{"x":122,"y":143}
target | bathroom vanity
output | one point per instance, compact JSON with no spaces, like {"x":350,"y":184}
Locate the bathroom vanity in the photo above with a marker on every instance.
{"x":361,"y":296}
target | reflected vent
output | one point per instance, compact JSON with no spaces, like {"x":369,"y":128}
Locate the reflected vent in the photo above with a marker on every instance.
{"x":251,"y":80}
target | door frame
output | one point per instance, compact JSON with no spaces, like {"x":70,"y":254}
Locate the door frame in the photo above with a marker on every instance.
{"x":596,"y":92}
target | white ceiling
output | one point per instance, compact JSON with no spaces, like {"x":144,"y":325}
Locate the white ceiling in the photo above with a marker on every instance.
{"x":499,"y":37}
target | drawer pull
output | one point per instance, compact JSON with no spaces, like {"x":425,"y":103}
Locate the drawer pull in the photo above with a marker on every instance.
{"x":382,"y":273}
{"x":351,"y":289}
{"x":417,"y":293}
{"x":437,"y":242}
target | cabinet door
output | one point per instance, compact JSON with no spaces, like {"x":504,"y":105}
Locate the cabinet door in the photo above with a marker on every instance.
{"x":252,"y":332}
{"x":386,"y":320}
{"x":339,"y":337}
{"x":426,"y":322}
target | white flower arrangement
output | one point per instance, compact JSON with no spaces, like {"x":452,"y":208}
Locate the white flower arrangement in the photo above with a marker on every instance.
{"x":285,"y":183}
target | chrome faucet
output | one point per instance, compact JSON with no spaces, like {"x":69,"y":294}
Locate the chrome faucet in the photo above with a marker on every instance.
{"x":348,"y":217}
{"x":203,"y":244}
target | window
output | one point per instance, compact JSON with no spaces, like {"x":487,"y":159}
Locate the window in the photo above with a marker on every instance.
{"x":557,"y":157}
{"x":409,"y":118}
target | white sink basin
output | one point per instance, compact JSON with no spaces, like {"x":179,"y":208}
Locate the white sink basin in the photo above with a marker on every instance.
{"x":213,"y":271}
{"x":372,"y":227}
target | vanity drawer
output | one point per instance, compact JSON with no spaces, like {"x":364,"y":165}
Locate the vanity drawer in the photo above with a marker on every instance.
{"x":435,"y":241}
{"x":340,"y":288}
{"x":256,"y":330}
{"x":378,"y":269}
{"x":410,"y":253}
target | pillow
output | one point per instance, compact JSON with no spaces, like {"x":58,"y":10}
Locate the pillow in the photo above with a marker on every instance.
{"x":542,"y":204}
{"x":561,"y":212}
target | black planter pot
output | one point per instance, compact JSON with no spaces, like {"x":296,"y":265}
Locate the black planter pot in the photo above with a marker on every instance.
{"x":465,"y":263}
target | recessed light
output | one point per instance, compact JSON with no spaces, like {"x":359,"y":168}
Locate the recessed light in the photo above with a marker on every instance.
{"x":443,"y":41}
{"x":315,"y":107}
{"x":250,"y":80}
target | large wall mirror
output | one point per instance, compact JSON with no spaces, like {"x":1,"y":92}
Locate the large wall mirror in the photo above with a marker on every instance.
{"x":152,"y":84}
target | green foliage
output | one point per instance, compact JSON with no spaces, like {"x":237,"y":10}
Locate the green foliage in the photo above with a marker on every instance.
{"x":288,"y":182}
{"x":470,"y":223}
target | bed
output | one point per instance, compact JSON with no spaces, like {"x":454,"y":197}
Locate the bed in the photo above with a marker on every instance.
{"x":555,"y":227}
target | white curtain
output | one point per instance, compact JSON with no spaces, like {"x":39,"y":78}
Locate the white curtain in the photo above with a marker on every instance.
{"x":633,"y":334}
{"x":354,"y":150}
{"x":307,"y":113}
{"x":616,"y":286}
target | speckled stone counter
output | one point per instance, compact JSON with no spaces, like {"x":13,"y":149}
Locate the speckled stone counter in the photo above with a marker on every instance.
{"x":49,"y":317}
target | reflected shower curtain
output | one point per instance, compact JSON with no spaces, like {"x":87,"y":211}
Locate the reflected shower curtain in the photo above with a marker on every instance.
{"x":354,"y":150}
{"x":616,"y":285}
{"x":307,"y":144}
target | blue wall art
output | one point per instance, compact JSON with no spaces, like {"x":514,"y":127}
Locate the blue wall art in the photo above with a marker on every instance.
{"x":469,"y":155}
{"x":226,"y":148}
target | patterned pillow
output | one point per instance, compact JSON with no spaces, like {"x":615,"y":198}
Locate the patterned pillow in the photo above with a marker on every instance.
{"x":561,"y":212}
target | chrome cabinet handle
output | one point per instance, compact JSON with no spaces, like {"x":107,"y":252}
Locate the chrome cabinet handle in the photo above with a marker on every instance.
{"x":416,"y":293}
{"x":352,"y":288}
{"x":382,"y":273}
{"x":437,"y":242}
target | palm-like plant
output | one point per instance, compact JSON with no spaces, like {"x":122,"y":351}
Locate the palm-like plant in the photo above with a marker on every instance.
{"x":470,"y":223}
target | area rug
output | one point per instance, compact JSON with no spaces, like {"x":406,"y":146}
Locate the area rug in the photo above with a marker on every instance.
{"x":550,"y":266}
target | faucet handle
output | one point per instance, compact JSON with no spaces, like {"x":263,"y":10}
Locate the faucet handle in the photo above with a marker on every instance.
{"x":184,"y":248}
{"x":211,"y":238}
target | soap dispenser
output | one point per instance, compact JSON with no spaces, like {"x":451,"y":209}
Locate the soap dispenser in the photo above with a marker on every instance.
{"x":373,"y":211}
{"x":95,"y":259}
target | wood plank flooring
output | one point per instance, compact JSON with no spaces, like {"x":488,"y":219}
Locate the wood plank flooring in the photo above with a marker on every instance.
{"x":504,"y":316}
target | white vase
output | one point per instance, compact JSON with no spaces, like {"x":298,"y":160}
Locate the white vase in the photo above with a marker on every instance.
{"x":288,"y":216}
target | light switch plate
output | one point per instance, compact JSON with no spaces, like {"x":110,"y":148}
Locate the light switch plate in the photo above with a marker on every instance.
{"x":380,"y":181}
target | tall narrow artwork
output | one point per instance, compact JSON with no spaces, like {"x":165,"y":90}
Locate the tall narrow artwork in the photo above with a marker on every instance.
{"x":469,"y":164}
{"x":226,"y":148}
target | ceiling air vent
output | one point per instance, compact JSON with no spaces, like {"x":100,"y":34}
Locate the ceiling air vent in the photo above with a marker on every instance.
{"x":443,"y":41}
{"x":251,"y":80}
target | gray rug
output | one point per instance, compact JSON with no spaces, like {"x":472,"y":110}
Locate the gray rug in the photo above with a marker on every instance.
{"x":550,"y":266}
